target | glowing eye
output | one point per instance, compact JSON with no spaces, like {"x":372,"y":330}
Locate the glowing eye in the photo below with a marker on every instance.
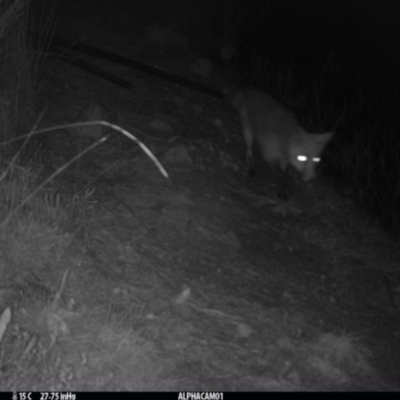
{"x":316,"y":159}
{"x":302,"y":158}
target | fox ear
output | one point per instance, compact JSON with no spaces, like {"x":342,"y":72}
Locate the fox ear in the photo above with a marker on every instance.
{"x":324,"y":138}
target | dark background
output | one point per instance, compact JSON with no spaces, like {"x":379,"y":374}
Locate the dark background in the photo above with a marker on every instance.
{"x":362,"y":34}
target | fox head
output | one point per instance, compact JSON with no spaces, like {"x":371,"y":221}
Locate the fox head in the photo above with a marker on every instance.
{"x":305,"y":153}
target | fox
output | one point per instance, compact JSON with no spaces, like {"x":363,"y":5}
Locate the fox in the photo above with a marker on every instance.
{"x":282,"y":142}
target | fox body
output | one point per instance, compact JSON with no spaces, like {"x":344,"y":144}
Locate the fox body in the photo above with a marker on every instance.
{"x":277,"y":133}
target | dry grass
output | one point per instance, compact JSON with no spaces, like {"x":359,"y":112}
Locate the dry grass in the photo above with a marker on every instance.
{"x":103,"y":312}
{"x":20,"y":61}
{"x":16,"y":60}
